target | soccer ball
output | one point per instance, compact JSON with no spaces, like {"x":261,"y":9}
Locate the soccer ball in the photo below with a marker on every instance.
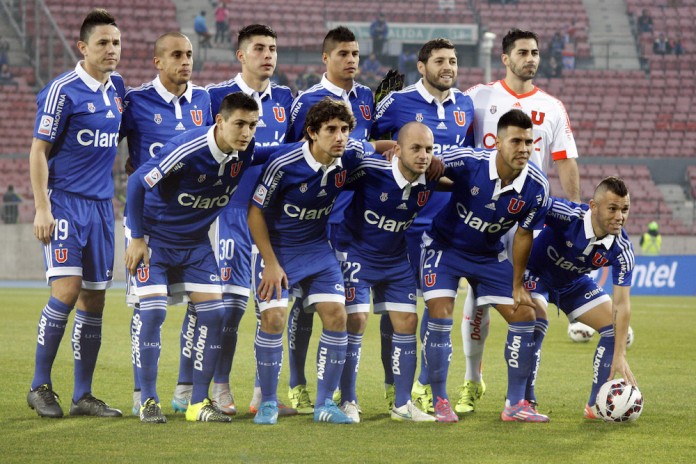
{"x":629,"y":341}
{"x":579,"y":332}
{"x":619,"y":402}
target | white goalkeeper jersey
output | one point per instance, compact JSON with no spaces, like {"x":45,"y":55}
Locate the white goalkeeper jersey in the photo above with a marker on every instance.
{"x":553,"y":136}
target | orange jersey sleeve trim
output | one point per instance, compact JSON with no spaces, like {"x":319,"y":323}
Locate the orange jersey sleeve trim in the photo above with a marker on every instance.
{"x":559,"y":155}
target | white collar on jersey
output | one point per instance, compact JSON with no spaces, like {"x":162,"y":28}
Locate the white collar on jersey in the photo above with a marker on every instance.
{"x":316,"y":165}
{"x":400,"y":179}
{"x":516,"y":184}
{"x":218,"y":154}
{"x":608,"y":239}
{"x":249,"y":91}
{"x":427,"y":96}
{"x":167,"y":96}
{"x":338,"y":91}
{"x":89,"y":81}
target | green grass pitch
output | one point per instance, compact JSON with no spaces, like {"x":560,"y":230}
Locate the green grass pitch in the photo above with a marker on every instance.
{"x":662,"y":358}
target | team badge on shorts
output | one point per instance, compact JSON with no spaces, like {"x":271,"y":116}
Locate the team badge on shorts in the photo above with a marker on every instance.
{"x":143,"y":274}
{"x":61,"y":255}
{"x":350,"y":294}
{"x":429,"y":279}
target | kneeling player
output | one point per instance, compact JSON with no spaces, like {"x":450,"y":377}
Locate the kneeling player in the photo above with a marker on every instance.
{"x":578,"y":239}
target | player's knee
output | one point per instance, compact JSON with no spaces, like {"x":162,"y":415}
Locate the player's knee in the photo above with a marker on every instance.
{"x":92,"y":301}
{"x":404,"y":323}
{"x":356,"y":323}
{"x":333,"y":316}
{"x":66,"y":289}
{"x":272,"y":321}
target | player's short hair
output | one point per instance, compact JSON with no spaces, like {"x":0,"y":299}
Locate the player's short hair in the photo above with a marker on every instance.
{"x":335,"y":36}
{"x":436,"y":44}
{"x":514,"y":118}
{"x":159,"y":48}
{"x":326,"y":110}
{"x":514,"y":35}
{"x":237,"y":101}
{"x":96,"y":17}
{"x":247,"y":32}
{"x":612,"y":184}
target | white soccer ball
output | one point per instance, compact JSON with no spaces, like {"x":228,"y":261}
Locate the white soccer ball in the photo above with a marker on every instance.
{"x":619,"y":402}
{"x":629,"y":341}
{"x":579,"y":332}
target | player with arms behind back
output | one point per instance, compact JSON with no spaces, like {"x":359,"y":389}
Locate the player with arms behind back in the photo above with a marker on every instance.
{"x":553,"y":141}
{"x":155,"y":112}
{"x":578,"y":239}
{"x":72,"y":155}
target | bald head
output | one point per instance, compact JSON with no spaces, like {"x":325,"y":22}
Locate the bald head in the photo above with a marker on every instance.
{"x":414,"y":149}
{"x":162,"y":44}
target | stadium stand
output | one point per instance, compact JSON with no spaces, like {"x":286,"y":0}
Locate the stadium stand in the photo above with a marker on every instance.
{"x":618,"y":115}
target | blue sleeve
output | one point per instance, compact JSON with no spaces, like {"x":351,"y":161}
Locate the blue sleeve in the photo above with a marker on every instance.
{"x":384,"y":123}
{"x":298,"y":112}
{"x":135,"y":204}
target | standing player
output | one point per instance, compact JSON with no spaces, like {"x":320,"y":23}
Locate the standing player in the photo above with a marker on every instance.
{"x":291,"y":205}
{"x":553,"y":140}
{"x":257,"y":51}
{"x":172,"y":200}
{"x":493,"y":191}
{"x":577,"y":240}
{"x":154,"y":113}
{"x":341,"y":55}
{"x":72,"y":154}
{"x":449,"y":114}
{"x":371,"y":245}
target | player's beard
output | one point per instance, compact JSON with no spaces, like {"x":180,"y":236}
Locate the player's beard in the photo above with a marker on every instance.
{"x":524,"y":74}
{"x":432,"y":80}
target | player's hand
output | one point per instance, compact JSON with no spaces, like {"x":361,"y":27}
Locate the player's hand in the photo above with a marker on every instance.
{"x":130,"y":169}
{"x":619,"y":365}
{"x":521,"y":296}
{"x":389,"y":154}
{"x":136,"y":253}
{"x":436,"y":169}
{"x":273,"y":281}
{"x":44,"y":224}
{"x":391,"y":82}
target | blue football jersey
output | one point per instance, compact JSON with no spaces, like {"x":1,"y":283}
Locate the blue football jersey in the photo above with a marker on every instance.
{"x":187,"y":185}
{"x":274,"y":109}
{"x":383,"y":207}
{"x":359,"y":99}
{"x":81,"y":117}
{"x":567,"y":248}
{"x":153,"y":115}
{"x":451,"y":122}
{"x":480,"y":211}
{"x":297,"y":194}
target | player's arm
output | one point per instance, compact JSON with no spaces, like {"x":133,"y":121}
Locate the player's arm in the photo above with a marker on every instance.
{"x":44,"y":222}
{"x":570,"y":178}
{"x":621,"y":315}
{"x":137,"y":250}
{"x":521,"y":247}
{"x":273,"y":279}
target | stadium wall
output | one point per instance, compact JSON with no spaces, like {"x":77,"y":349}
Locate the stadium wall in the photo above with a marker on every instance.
{"x":20,"y":258}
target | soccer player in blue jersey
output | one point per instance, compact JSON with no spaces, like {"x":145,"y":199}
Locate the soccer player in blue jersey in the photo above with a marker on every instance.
{"x":449,"y":113}
{"x":172,"y":200}
{"x":257,"y":51}
{"x":492,"y":191}
{"x":578,"y":239}
{"x":287,"y":220}
{"x":341,"y":55}
{"x":371,"y":245}
{"x":70,"y":162}
{"x":154,"y":113}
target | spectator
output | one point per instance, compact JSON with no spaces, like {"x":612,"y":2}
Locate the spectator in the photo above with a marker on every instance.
{"x":222,"y":14}
{"x":556,"y":45}
{"x":651,"y":241}
{"x":280,"y":78}
{"x":379,"y":32}
{"x":408,"y":65}
{"x":371,"y":65}
{"x":201,"y":28}
{"x":552,"y":67}
{"x":6,"y":77}
{"x":10,"y":210}
{"x":645,"y":22}
{"x":309,"y":79}
{"x":661,"y":45}
{"x":4,"y":50}
{"x":676,"y":46}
